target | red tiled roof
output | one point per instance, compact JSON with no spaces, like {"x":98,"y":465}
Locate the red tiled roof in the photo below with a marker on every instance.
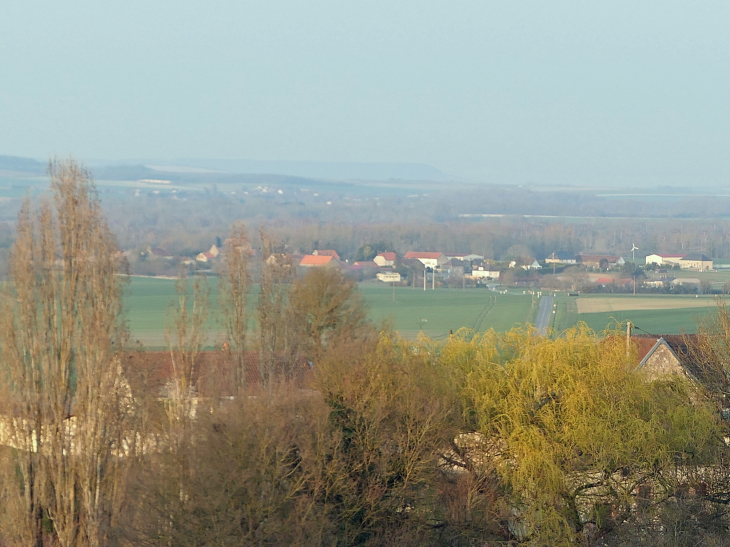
{"x":328,"y":252}
{"x":418,"y":254}
{"x":315,"y":260}
{"x":387,"y":255}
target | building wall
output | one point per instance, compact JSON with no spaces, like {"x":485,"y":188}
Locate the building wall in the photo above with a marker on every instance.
{"x":700,"y":265}
{"x":661,"y":363}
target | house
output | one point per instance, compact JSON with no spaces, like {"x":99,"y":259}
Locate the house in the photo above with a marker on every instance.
{"x":695,"y":261}
{"x":158,"y":252}
{"x":205,"y":257}
{"x":602,"y":262}
{"x":663,"y":259}
{"x":658,"y":283}
{"x":457,"y":267}
{"x":481,"y":270}
{"x":561,"y":257}
{"x":531,"y":264}
{"x":309,"y":261}
{"x":677,"y":355}
{"x":214,"y":251}
{"x":389,"y":277}
{"x":431,"y":260}
{"x":385,"y":260}
{"x":327,"y":252}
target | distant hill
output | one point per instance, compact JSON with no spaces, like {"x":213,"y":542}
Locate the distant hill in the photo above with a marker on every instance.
{"x":319,"y":169}
{"x":24,"y":165}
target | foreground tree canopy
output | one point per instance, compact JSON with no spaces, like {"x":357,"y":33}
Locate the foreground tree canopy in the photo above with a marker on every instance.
{"x":513,"y":438}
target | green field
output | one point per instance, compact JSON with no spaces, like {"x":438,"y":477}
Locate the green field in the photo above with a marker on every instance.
{"x":434,"y":312}
{"x":655,"y":321}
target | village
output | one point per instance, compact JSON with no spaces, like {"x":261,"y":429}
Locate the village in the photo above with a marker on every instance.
{"x":655,"y":272}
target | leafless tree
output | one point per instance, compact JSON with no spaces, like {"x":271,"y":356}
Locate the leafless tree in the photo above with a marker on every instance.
{"x":277,"y":273}
{"x":233,"y":287}
{"x":186,"y":335}
{"x":70,"y":415}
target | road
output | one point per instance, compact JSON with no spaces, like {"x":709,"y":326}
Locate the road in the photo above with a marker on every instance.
{"x":543,"y":314}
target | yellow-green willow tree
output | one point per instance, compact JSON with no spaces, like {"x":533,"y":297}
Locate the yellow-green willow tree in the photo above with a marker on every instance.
{"x":573,"y":430}
{"x":69,"y":411}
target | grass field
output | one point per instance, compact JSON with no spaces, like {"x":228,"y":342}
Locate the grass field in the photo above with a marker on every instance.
{"x":434,"y":312}
{"x":658,"y":314}
{"x":447,"y":309}
{"x":442,"y":310}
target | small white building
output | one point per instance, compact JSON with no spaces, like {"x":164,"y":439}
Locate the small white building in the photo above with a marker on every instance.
{"x":482,"y":273}
{"x":385,"y":259}
{"x":428,"y":259}
{"x":389,"y":277}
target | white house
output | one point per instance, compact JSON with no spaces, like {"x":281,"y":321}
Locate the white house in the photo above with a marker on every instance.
{"x":482,"y":273}
{"x":385,"y":259}
{"x":389,"y":277}
{"x":430,"y":260}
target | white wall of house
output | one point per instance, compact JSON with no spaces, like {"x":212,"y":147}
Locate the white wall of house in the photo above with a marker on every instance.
{"x":383,"y":262}
{"x":389,"y":277}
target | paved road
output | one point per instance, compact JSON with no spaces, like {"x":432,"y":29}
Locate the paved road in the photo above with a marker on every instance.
{"x":543,"y":314}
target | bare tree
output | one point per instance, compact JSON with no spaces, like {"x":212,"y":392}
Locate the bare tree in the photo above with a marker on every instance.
{"x":61,"y":328}
{"x":277,"y":274}
{"x":186,"y":336}
{"x":233,"y":286}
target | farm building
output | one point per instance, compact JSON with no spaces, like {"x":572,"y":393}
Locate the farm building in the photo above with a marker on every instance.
{"x":664,"y":259}
{"x":327,"y":252}
{"x":389,"y":277}
{"x":695,"y":261}
{"x":428,"y":259}
{"x":603,"y":262}
{"x":484,"y":272}
{"x":385,"y":260}
{"x":309,"y":261}
{"x":561,"y":257}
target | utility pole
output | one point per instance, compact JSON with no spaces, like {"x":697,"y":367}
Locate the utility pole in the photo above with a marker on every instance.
{"x":424,"y":277}
{"x":628,"y":338}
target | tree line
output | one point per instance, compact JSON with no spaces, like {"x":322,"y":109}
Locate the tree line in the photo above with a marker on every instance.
{"x":488,"y":439}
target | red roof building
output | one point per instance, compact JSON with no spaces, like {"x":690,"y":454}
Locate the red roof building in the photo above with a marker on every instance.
{"x":317,"y":260}
{"x":327,"y":252}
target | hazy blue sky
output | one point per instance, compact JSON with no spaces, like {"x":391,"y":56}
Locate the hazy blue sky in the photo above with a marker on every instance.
{"x":514,"y":91}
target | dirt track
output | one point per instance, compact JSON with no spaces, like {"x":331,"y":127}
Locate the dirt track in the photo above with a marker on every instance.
{"x":609,"y":304}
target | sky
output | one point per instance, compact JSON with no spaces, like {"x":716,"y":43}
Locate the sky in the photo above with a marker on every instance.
{"x":524,"y":92}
